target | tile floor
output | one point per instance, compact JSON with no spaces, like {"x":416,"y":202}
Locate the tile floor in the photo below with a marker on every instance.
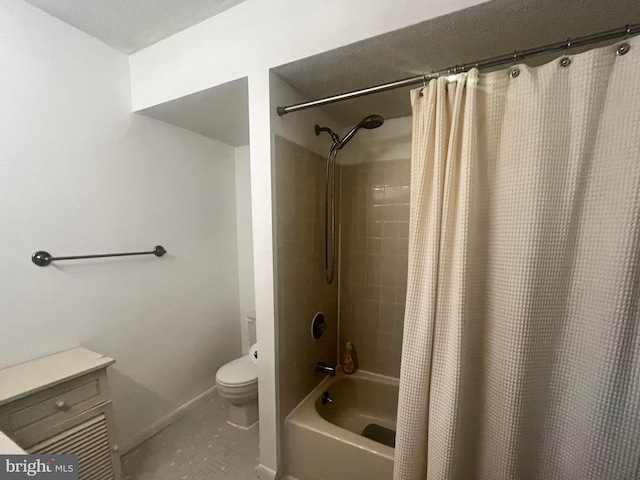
{"x":200,"y":445}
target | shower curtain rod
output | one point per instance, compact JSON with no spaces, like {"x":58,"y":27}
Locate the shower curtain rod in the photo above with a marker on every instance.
{"x":486,"y":63}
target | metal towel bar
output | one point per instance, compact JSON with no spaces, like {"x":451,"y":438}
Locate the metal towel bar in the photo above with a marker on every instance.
{"x":42,"y":258}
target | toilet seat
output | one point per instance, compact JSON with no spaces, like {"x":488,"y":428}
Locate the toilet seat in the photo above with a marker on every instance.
{"x":240,"y":372}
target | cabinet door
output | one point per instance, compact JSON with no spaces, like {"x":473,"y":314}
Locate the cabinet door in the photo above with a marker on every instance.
{"x":92,"y":440}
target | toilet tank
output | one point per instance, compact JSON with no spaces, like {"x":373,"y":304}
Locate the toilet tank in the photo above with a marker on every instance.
{"x":248,"y":331}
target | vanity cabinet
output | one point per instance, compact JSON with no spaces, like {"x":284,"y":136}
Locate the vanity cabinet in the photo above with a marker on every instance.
{"x":60,"y":404}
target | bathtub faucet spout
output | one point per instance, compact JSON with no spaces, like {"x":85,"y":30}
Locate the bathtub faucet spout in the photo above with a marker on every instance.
{"x":322,"y":367}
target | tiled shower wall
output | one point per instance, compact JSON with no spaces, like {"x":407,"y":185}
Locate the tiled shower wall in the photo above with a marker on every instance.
{"x":301,"y":287}
{"x":373,"y":264}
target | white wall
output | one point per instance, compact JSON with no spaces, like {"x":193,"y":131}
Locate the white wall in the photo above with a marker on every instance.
{"x":263,"y":263}
{"x":298,"y":129}
{"x":81,"y":174}
{"x":257,"y":35}
{"x":246,"y":41}
{"x":245,"y":244}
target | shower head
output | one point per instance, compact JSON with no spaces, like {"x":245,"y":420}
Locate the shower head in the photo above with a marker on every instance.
{"x":370,"y":122}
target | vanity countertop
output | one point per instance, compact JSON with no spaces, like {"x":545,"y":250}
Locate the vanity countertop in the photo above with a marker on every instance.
{"x":9,"y":447}
{"x":26,"y":378}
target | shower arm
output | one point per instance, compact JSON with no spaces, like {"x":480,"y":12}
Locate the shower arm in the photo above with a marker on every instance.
{"x":337,"y":142}
{"x":334,"y":136}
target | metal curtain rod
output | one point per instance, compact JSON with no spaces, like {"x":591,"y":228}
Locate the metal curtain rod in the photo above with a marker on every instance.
{"x":42,"y":258}
{"x":486,"y":63}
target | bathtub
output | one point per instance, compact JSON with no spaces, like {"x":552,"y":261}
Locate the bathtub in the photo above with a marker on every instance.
{"x":325,"y":442}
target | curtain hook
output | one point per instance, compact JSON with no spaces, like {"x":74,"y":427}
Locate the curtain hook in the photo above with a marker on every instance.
{"x":624,"y":47}
{"x":565,"y":61}
{"x":424,"y":84}
{"x":514,"y":71}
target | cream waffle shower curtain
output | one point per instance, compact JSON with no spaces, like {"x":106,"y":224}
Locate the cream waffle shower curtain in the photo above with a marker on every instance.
{"x":521,"y":356}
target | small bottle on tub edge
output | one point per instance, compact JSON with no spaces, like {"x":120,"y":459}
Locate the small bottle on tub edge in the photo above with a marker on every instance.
{"x":350,"y":359}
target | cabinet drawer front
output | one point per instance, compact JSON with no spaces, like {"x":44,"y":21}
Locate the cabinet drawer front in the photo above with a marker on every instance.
{"x":42,"y":411}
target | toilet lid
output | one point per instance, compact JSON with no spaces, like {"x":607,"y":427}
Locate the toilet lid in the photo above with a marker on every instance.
{"x":239,"y":372}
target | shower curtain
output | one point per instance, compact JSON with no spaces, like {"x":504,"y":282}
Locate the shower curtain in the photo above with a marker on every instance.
{"x":521,"y":355}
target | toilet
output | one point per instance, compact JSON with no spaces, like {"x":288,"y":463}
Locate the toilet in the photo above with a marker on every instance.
{"x":237,"y":383}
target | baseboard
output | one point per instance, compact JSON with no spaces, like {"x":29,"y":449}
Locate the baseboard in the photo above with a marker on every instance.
{"x":241,"y":427}
{"x":265,"y":473}
{"x":165,"y":421}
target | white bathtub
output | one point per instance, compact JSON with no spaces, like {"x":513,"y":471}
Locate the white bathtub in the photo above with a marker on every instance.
{"x":324,"y":442}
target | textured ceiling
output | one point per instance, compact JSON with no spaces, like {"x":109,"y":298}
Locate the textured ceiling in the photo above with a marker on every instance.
{"x":221,"y":112}
{"x":490,"y":29}
{"x":131,"y":25}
